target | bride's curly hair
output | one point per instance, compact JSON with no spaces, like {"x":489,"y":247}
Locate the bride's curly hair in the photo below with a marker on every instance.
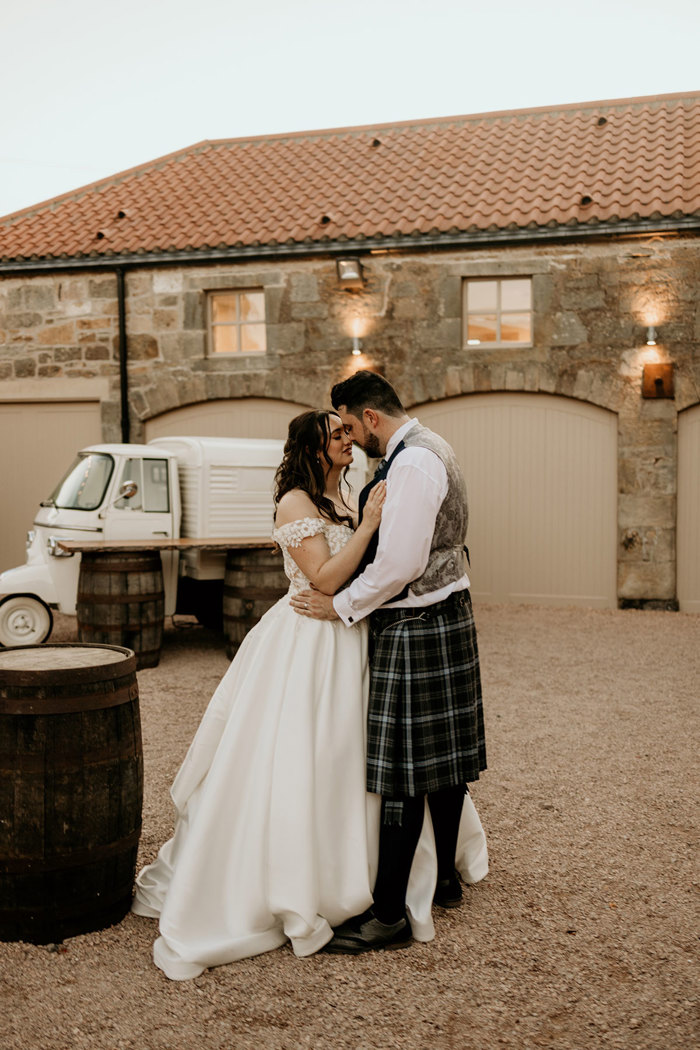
{"x":301,"y":467}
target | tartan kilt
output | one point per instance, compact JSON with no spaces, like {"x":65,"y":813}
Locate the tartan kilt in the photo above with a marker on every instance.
{"x":425,"y":724}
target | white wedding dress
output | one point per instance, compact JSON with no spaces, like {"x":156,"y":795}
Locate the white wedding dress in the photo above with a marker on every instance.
{"x":275,"y":836}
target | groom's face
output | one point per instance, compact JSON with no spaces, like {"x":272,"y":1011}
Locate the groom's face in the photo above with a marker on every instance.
{"x":360,"y":433}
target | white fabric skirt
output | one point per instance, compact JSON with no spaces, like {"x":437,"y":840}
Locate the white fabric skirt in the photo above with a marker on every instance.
{"x":276,"y":838}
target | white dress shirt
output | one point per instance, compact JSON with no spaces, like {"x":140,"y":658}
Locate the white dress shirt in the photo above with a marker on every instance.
{"x":416,"y":486}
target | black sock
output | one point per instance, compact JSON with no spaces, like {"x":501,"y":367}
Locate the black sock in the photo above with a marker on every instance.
{"x":397,"y":845}
{"x":445,"y":813}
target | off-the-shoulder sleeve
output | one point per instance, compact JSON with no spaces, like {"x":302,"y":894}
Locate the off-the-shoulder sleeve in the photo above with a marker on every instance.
{"x":291,"y":534}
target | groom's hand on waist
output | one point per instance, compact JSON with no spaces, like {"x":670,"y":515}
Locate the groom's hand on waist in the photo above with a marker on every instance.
{"x":314,"y":604}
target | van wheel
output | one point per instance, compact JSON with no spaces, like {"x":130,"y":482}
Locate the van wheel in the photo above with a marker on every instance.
{"x":24,"y":620}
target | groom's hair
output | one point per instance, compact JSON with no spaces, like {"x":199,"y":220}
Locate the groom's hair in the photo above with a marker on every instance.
{"x":364,"y":390}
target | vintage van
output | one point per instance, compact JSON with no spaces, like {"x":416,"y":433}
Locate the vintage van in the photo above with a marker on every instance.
{"x":189,"y":487}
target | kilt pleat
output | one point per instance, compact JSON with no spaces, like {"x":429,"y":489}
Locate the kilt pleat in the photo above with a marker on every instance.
{"x":425,"y":720}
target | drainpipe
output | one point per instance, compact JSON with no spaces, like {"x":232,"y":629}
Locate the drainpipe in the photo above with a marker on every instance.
{"x":123,"y":375}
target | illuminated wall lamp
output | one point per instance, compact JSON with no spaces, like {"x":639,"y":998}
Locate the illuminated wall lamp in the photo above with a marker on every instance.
{"x":349,"y":273}
{"x":651,"y":335}
{"x":657,"y":380}
{"x":356,"y":346}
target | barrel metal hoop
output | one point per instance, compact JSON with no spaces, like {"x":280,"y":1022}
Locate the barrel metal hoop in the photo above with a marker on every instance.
{"x":31,"y":704}
{"x":124,"y":665}
{"x":103,"y":568}
{"x":76,"y":859}
{"x":66,"y":761}
{"x":120,"y":599}
{"x":83,"y":911}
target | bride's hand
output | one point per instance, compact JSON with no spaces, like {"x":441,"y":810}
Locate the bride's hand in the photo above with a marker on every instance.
{"x":372,"y":514}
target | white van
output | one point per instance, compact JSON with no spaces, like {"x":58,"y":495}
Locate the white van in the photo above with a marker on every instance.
{"x":188,"y":487}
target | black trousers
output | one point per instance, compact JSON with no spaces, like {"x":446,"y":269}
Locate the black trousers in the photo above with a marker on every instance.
{"x":398,"y":842}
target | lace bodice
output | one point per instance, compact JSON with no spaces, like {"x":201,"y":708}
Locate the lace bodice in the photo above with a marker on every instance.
{"x":291,"y":535}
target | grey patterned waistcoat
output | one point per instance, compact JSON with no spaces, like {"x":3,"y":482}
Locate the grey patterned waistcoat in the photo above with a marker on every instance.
{"x":446,"y":559}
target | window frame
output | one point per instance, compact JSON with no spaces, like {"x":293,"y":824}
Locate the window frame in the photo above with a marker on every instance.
{"x":497,"y":344}
{"x":237,"y":325}
{"x":141,"y":508}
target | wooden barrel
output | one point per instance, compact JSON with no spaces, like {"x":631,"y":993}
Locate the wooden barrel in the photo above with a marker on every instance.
{"x":120,"y":602}
{"x":71,"y":789}
{"x":253,"y":582}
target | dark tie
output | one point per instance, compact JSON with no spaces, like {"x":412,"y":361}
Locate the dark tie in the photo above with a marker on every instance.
{"x":379,"y":475}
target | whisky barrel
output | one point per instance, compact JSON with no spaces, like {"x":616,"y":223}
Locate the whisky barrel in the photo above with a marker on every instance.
{"x":120,"y":602}
{"x":253,"y":582}
{"x":71,"y":789}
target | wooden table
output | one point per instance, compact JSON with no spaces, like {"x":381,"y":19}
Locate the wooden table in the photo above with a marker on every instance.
{"x":165,"y":544}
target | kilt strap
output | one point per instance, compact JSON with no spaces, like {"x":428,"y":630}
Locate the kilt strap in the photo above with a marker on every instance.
{"x":382,"y":619}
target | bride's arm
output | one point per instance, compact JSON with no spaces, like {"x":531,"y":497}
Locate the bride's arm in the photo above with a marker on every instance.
{"x":328,"y":573}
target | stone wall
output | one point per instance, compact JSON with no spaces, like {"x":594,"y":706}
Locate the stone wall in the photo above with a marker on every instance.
{"x":592,"y":303}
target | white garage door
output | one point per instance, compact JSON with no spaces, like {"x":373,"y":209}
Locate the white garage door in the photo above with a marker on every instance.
{"x":688,"y":536}
{"x":38,"y":442}
{"x":248,"y":417}
{"x":541,"y":476}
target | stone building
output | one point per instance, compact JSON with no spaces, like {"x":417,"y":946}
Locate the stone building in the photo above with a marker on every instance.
{"x":529,"y":281}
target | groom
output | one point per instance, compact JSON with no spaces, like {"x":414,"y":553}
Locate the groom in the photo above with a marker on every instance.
{"x":425,"y":721}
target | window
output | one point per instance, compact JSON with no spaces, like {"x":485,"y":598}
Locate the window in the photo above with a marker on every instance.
{"x":85,"y":484}
{"x":237,"y":322}
{"x":151,"y":478}
{"x":498,"y":312}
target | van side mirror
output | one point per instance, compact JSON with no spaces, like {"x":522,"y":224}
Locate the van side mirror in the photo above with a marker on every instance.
{"x":127,"y":490}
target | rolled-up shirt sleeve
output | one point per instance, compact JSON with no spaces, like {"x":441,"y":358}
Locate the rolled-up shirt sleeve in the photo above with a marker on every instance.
{"x":416,"y":487}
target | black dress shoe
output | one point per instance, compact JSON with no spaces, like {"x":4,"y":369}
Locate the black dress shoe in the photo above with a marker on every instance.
{"x":366,"y":933}
{"x":352,"y":926}
{"x":448,"y":892}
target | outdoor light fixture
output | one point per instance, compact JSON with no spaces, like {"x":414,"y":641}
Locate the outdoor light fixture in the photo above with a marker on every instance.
{"x":350,"y":273}
{"x":651,"y":335}
{"x":657,"y":380}
{"x":356,"y":346}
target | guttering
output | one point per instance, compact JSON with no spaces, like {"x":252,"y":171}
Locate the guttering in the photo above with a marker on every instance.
{"x":406,"y":243}
{"x":123,"y":372}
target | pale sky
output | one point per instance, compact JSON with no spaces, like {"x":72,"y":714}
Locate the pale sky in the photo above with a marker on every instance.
{"x":91,"y":87}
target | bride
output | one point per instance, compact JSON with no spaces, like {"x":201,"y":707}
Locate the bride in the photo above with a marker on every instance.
{"x":275,"y":836}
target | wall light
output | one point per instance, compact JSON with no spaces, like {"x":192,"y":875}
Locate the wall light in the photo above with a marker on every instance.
{"x":657,"y":380}
{"x":356,"y":346}
{"x":651,"y":335}
{"x":350,"y":273}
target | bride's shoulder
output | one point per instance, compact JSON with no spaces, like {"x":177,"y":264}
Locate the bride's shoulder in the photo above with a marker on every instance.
{"x":295,"y":505}
{"x":297,"y":519}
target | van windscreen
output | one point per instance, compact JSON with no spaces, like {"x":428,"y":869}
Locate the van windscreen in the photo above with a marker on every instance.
{"x":84,"y":485}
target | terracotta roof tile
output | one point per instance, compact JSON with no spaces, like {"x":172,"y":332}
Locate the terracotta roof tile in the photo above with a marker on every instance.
{"x":599,"y":162}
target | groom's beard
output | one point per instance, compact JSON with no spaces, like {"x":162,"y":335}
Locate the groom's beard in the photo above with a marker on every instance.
{"x":370,"y":443}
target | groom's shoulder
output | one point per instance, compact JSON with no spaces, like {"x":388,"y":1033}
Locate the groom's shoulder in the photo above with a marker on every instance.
{"x":422,"y":437}
{"x":420,"y":457}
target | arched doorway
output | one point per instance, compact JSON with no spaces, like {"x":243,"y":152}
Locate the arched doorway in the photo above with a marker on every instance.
{"x":254,"y":417}
{"x":541,"y":475}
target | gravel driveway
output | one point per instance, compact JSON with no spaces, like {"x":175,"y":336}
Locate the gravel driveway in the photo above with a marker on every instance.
{"x":582,"y":936}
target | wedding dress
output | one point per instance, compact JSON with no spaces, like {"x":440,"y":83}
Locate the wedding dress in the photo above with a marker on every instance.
{"x":275,"y":836}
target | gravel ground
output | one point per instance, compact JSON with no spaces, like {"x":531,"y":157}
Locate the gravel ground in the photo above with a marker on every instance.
{"x":582,"y":936}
